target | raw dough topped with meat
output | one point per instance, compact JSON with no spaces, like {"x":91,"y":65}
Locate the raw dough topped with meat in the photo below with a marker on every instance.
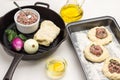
{"x":96,"y":53}
{"x":100,"y":35}
{"x":111,"y":68}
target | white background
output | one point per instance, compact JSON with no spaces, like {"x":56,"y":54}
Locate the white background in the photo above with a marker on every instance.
{"x":35,"y":70}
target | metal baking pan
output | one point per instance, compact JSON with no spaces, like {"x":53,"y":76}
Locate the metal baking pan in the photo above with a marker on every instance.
{"x":77,"y":32}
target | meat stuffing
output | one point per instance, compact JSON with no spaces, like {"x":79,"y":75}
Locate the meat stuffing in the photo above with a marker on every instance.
{"x":96,"y":50}
{"x":101,"y":33}
{"x":23,"y":19}
{"x":114,"y":66}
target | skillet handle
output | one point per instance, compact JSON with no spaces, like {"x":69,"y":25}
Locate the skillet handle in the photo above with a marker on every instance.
{"x":0,"y":20}
{"x":41,"y":3}
{"x":13,"y":66}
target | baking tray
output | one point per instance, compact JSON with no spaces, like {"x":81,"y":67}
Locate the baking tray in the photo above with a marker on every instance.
{"x":77,"y":32}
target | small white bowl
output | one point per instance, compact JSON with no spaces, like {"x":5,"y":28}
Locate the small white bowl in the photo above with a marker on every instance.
{"x":27,"y":28}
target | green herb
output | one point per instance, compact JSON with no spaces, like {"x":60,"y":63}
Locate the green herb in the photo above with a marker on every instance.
{"x":10,"y":38}
{"x":11,"y":34}
{"x":8,"y":31}
{"x":22,"y":37}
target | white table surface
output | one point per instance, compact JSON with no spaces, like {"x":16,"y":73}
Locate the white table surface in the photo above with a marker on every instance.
{"x":35,"y":70}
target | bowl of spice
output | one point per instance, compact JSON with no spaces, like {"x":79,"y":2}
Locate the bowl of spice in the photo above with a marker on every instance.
{"x":27,"y":20}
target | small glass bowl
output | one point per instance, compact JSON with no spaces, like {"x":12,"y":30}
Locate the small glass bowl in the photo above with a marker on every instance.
{"x":55,"y":68}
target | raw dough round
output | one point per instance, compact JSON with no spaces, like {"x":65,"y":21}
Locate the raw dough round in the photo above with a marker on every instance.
{"x":90,"y":56}
{"x":107,"y":73}
{"x":104,"y":41}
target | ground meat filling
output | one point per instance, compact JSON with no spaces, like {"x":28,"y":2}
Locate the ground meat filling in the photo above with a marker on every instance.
{"x":114,"y":66}
{"x":101,"y":33}
{"x":23,"y":19}
{"x":96,"y":50}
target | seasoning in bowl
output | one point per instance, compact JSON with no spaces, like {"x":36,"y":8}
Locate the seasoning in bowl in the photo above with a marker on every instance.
{"x":27,"y":21}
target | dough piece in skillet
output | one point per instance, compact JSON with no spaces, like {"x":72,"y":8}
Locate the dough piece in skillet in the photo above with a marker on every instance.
{"x":96,"y":53}
{"x":47,"y":33}
{"x":100,"y":35}
{"x":111,"y":68}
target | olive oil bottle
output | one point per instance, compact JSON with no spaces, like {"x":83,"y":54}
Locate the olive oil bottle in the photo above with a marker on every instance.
{"x":71,"y":11}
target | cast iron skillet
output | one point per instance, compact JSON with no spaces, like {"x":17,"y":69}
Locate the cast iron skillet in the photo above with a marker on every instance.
{"x":7,"y":21}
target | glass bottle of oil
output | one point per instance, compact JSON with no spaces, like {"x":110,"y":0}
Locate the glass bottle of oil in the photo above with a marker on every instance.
{"x":72,"y":10}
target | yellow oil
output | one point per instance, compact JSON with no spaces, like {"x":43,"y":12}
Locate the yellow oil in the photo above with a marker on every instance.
{"x":71,"y":12}
{"x":55,"y":69}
